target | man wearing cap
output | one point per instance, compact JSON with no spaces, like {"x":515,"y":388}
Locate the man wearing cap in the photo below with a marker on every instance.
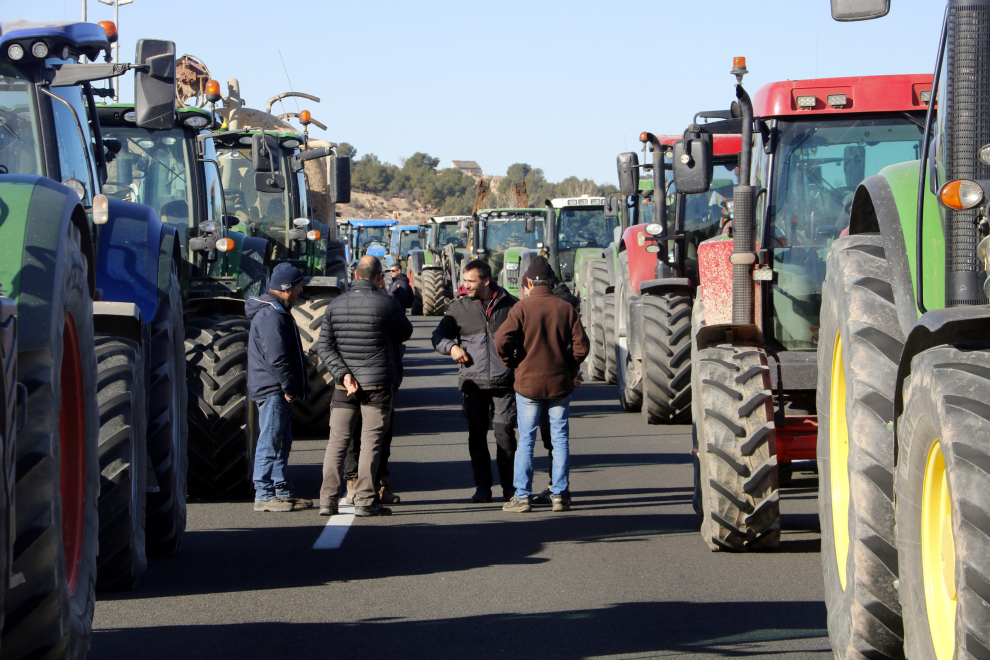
{"x":276,"y":378}
{"x":543,"y":340}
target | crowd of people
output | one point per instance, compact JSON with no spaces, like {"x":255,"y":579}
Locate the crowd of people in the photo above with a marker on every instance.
{"x":518,"y":364}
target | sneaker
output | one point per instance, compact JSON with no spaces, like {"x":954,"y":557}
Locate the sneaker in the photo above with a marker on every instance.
{"x":385,"y":493}
{"x":561,"y":503}
{"x":543,"y":498}
{"x":329,"y":509}
{"x":373,"y":510}
{"x":515,"y":505}
{"x":276,"y":505}
{"x":351,"y":488}
{"x":482,"y":494}
{"x":299,"y":503}
{"x":507,"y":493}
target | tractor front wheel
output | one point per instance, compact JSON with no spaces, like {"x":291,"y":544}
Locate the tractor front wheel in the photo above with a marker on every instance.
{"x":434,"y":299}
{"x":667,"y":359}
{"x":597,"y":283}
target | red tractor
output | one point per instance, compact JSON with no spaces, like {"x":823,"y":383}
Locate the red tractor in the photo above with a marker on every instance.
{"x":806,"y":146}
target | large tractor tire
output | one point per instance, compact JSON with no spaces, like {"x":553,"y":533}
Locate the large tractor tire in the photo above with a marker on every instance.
{"x":435,"y":300}
{"x":629,"y":371}
{"x":8,"y":434}
{"x":697,"y":323}
{"x":597,"y":283}
{"x":859,"y":348}
{"x":312,"y":416}
{"x":57,"y":489}
{"x":222,"y":420}
{"x":608,"y":331}
{"x":168,"y":430}
{"x":738,"y":465}
{"x":120,"y":389}
{"x":943,"y":504}
{"x":667,"y":359}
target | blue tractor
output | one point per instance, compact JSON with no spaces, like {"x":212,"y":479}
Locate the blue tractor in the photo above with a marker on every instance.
{"x":98,"y":465}
{"x":367,"y":237}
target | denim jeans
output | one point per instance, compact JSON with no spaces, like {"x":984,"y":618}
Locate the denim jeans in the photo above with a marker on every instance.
{"x":528,"y":412}
{"x":271,"y":458}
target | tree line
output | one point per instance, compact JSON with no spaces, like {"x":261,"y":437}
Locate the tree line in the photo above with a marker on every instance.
{"x":451,"y":192}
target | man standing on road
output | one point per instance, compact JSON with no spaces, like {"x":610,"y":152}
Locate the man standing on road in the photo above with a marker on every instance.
{"x":467,"y":334}
{"x":357,"y":343}
{"x":543,"y":339}
{"x":276,"y":378}
{"x":400,"y":287}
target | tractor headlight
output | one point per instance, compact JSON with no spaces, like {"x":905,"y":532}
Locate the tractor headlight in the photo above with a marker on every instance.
{"x":15,"y":52}
{"x":961,"y":194}
{"x":39,"y":50}
{"x":196,"y":121}
{"x":985,"y":154}
{"x":209,"y":227}
{"x":654,"y":229}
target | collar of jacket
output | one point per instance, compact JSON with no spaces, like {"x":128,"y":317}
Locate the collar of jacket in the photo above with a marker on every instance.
{"x":540,"y":292}
{"x":359,"y":285}
{"x":271,"y":300}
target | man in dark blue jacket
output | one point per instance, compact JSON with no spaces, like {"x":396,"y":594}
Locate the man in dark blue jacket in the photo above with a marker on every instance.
{"x":276,"y":378}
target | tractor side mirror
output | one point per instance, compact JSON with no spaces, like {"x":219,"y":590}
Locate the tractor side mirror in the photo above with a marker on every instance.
{"x":421,"y":233}
{"x":339,"y":178}
{"x":530,"y":225}
{"x":263,"y":150}
{"x":269,"y":182}
{"x":464,"y":228}
{"x":693,"y":165}
{"x":154,"y":89}
{"x":612,"y":205}
{"x":628,"y":166}
{"x":859,"y":10}
{"x":231,"y":220}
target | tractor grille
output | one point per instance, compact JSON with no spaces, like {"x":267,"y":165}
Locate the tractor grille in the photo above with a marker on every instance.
{"x":967,"y":107}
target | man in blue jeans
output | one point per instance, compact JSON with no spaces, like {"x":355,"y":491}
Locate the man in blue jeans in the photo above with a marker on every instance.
{"x":543,"y":340}
{"x":276,"y":378}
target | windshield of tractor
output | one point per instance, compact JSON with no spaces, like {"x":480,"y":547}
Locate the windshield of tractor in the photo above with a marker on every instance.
{"x":261,"y":214}
{"x":18,"y":125}
{"x":584,"y":228}
{"x":504,"y":234}
{"x":409,"y":241}
{"x":448,"y":235}
{"x":365,"y":236}
{"x":151,"y":169}
{"x":819,"y":164}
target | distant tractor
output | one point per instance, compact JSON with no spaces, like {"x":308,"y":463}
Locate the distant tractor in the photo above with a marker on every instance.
{"x":405,"y":238}
{"x":434,"y":273}
{"x":501,"y":236}
{"x":368,"y":237}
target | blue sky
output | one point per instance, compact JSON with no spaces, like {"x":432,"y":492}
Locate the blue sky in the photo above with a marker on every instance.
{"x":564,"y":86}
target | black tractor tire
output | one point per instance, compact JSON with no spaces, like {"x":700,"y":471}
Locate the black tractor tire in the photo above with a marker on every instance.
{"x":222,"y":419}
{"x":120,"y":389}
{"x":738,"y":464}
{"x":864,"y":616}
{"x":312,"y":416}
{"x":945,"y":405}
{"x":57,"y":477}
{"x":667,"y":359}
{"x":697,"y":323}
{"x":8,"y":434}
{"x":597,"y":283}
{"x":434,"y":299}
{"x":608,"y":330}
{"x":168,"y":430}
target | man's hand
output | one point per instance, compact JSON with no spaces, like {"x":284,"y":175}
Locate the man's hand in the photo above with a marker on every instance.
{"x":459,"y":354}
{"x":350,"y":385}
{"x":288,"y":398}
{"x":578,"y":380}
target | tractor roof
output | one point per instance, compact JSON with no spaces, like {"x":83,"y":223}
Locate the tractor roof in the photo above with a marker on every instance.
{"x":401,"y":228}
{"x":356,"y":222}
{"x":583,"y":200}
{"x":900,"y":93}
{"x":85,"y":38}
{"x":116,"y":113}
{"x":513,"y":211}
{"x":444,"y":219}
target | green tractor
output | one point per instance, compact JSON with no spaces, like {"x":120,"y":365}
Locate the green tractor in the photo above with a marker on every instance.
{"x":904,"y":378}
{"x":507,"y":239}
{"x":434,"y":273}
{"x":584,"y":229}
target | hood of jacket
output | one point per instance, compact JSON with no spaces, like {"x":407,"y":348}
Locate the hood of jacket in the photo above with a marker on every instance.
{"x":266,"y":300}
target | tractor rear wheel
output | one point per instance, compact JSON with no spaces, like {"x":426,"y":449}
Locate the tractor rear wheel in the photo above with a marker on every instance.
{"x":168,"y":431}
{"x":57,"y":471}
{"x":222,"y":428}
{"x":738,"y":465}
{"x":942,"y":492}
{"x":667,"y":359}
{"x":608,"y":332}
{"x":123,"y":463}
{"x":8,"y":434}
{"x":312,"y":416}
{"x":859,"y":348}
{"x":434,"y":301}
{"x":697,"y":323}
{"x":629,"y":370}
{"x":597,"y":283}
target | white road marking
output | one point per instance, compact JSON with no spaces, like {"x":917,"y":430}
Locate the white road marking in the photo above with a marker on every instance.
{"x":336,"y":529}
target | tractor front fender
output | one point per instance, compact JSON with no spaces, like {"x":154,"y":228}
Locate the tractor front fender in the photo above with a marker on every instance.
{"x":129,"y":248}
{"x":120,"y":319}
{"x":642,"y":264}
{"x":729,"y":333}
{"x":666,"y":285}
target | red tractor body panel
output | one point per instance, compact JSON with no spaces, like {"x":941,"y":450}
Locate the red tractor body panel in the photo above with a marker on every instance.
{"x":642,"y":264}
{"x":716,"y":282}
{"x":901,"y":93}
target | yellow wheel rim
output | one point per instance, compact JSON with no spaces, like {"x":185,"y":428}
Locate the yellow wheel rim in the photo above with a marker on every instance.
{"x":838,"y":450}
{"x":938,"y":555}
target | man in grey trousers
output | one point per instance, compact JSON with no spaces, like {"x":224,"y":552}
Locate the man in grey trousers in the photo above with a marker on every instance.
{"x":357,"y":343}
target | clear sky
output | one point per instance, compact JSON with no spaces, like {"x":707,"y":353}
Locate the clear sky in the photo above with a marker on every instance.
{"x":564,"y":86}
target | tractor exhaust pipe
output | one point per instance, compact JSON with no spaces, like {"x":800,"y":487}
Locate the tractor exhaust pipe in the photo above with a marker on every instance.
{"x":659,"y":198}
{"x":743,"y":256}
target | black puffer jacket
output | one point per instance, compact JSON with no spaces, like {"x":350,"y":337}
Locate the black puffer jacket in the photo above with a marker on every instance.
{"x":470,"y":325}
{"x":360,"y":331}
{"x":401,"y":290}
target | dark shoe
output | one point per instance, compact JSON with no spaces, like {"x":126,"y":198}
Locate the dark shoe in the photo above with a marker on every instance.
{"x":507,"y":493}
{"x":482,"y":494}
{"x":274,"y":505}
{"x":373,"y":510}
{"x":385,"y":493}
{"x":561,"y":503}
{"x":299,"y":503}
{"x":351,"y":488}
{"x":543,"y":498}
{"x":516,"y":505}
{"x":329,"y":509}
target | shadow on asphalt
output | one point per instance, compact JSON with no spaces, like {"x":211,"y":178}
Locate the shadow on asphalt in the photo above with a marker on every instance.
{"x":724,"y":629}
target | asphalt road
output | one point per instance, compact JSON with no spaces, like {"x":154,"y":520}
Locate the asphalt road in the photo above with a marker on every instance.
{"x":624,"y":574}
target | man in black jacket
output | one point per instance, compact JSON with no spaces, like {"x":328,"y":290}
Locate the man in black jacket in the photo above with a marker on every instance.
{"x":466,"y":333}
{"x":276,"y":378}
{"x":357,"y":344}
{"x":400,"y":287}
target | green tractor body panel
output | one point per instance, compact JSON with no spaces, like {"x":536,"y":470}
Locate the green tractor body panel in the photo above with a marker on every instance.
{"x":20,"y":203}
{"x":510,"y":276}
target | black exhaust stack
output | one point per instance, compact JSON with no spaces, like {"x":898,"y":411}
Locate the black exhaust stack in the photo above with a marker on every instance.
{"x":743,"y":255}
{"x":660,"y":200}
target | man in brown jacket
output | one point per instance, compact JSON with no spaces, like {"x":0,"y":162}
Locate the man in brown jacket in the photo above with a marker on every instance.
{"x":543,"y":340}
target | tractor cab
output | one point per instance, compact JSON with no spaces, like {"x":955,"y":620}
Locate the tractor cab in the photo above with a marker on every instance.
{"x":405,"y":239}
{"x":369,"y":237}
{"x":505,"y":239}
{"x":583,"y":232}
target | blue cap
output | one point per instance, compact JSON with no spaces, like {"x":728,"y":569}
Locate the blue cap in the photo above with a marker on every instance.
{"x":284,"y":277}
